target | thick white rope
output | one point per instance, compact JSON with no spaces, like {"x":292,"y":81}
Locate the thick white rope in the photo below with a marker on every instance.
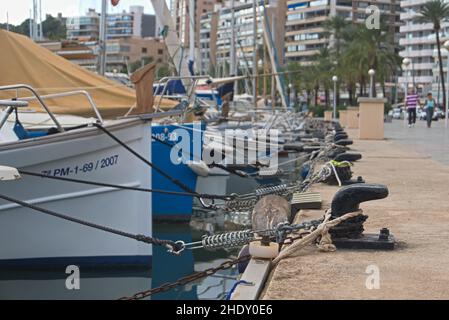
{"x":321,"y":231}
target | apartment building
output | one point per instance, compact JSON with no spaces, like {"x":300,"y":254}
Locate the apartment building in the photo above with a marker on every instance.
{"x":216,"y":35}
{"x":181,"y":15}
{"x":121,"y":52}
{"x":84,"y":28}
{"x":80,"y":54}
{"x":134,"y":23}
{"x":305,"y":33}
{"x":131,"y":36}
{"x":419,"y":45}
{"x":208,"y":42}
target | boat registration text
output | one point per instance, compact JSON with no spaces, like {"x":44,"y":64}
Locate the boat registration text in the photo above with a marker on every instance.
{"x":86,"y":167}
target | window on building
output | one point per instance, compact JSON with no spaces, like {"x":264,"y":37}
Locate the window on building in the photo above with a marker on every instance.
{"x":144,"y":50}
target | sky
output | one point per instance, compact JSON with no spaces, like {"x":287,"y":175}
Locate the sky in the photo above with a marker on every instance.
{"x":19,"y":10}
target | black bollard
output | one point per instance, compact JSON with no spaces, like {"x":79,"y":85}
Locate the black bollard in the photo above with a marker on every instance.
{"x":348,"y":156}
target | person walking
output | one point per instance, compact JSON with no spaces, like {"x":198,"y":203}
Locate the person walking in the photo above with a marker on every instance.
{"x":411,"y":103}
{"x":429,"y":105}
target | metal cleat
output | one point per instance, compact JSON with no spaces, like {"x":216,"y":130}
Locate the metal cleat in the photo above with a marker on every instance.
{"x":349,"y":234}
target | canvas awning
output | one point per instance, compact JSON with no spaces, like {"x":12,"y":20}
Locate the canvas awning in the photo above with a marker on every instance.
{"x":24,"y":62}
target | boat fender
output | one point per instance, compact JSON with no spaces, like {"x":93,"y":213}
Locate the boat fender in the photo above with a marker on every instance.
{"x":305,"y":169}
{"x":199,"y":167}
{"x":264,"y":251}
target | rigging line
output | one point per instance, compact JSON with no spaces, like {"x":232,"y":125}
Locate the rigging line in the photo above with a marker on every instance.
{"x":171,"y":245}
{"x":109,"y":185}
{"x":140,"y":157}
{"x":160,"y":171}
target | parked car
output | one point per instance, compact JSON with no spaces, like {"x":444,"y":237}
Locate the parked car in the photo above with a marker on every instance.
{"x":421,"y":114}
{"x":437,"y":114}
{"x":397,"y":112}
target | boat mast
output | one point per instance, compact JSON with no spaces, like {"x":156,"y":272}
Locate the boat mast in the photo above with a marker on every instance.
{"x":41,"y":31}
{"x":33,"y":24}
{"x":102,"y":41}
{"x":255,"y":53}
{"x":171,"y":39}
{"x":268,"y":33}
{"x":233,"y":58}
{"x":192,"y":33}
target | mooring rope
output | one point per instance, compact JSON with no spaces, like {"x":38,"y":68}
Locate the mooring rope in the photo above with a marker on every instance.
{"x":321,"y":231}
{"x":143,"y":159}
{"x":115,"y":186}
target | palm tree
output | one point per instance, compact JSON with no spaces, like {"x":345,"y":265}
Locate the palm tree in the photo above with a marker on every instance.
{"x":338,"y":28}
{"x":324,"y":68}
{"x":435,"y":12}
{"x":372,"y":49}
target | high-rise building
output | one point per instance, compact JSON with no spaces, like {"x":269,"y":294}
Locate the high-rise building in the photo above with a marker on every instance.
{"x":181,"y":16}
{"x":134,"y":23}
{"x":419,"y":45}
{"x":216,"y":35}
{"x":208,"y":42}
{"x":305,"y":33}
{"x":130,"y":37}
{"x":84,"y":28}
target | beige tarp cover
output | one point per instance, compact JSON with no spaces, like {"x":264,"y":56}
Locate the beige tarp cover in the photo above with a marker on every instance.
{"x":24,"y":62}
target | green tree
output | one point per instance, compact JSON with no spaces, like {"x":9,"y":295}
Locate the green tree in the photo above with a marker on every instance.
{"x":435,"y":12}
{"x":322,"y":71}
{"x":133,"y":66}
{"x":372,"y":49}
{"x":54,"y":29}
{"x":337,"y":29}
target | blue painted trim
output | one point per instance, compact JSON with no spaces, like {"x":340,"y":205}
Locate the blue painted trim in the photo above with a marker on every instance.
{"x":99,"y":261}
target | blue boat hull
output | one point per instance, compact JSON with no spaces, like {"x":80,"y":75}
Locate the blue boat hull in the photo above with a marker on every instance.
{"x":174,"y":207}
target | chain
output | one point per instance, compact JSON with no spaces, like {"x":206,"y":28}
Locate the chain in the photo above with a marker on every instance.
{"x":188,"y":279}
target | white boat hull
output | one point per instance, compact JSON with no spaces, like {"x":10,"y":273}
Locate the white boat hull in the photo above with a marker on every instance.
{"x":31,"y":238}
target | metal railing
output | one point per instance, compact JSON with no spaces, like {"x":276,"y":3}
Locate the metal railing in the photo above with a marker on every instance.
{"x":37,"y":97}
{"x":40,"y":99}
{"x":70,"y":94}
{"x":189,"y":92}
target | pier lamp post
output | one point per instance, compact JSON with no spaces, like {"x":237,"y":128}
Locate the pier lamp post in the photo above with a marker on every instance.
{"x":335,"y":79}
{"x":9,"y":173}
{"x":290,"y":87}
{"x":446,"y":46}
{"x":371,"y":74}
{"x":405,"y":63}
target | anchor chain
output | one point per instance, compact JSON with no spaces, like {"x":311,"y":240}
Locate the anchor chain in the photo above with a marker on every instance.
{"x":189,"y":279}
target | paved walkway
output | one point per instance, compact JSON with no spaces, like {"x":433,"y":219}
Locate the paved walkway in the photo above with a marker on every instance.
{"x":416,"y":212}
{"x":433,"y":142}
